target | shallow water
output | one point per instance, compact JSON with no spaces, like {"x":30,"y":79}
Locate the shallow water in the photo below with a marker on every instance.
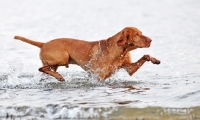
{"x":167,"y":91}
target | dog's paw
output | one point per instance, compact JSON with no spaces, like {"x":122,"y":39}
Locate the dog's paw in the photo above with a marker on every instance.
{"x":154,"y":60}
{"x":147,"y":57}
{"x":59,"y":77}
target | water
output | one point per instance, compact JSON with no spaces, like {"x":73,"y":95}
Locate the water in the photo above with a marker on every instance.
{"x":166,"y":91}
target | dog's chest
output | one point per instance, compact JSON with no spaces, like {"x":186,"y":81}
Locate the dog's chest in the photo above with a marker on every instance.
{"x":102,"y":66}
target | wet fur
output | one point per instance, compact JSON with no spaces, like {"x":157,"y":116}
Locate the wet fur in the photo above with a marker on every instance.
{"x":101,"y":58}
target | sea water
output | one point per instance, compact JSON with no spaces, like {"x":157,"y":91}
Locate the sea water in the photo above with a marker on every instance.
{"x":166,"y":91}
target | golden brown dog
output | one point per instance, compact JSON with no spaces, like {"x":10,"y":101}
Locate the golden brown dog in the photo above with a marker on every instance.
{"x":101,"y":58}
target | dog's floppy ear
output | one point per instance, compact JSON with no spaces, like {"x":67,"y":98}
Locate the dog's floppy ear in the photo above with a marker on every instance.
{"x":123,"y":38}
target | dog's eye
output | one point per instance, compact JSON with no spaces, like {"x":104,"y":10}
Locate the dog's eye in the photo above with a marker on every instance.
{"x":136,"y":34}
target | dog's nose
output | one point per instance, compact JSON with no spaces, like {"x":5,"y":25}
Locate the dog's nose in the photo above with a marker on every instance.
{"x":148,"y":39}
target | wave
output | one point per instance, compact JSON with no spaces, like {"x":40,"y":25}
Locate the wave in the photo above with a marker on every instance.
{"x":55,"y":111}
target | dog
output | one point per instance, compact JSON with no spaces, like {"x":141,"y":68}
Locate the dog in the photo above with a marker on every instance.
{"x":101,"y":58}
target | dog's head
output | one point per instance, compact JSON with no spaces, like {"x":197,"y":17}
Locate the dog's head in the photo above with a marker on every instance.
{"x":132,"y":37}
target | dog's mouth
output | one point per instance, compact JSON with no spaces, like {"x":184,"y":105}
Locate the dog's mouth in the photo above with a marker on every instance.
{"x":148,"y":42}
{"x":148,"y":45}
{"x":145,"y":45}
{"x":131,"y":44}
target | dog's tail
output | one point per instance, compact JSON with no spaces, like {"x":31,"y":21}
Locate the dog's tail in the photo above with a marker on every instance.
{"x":35,"y":43}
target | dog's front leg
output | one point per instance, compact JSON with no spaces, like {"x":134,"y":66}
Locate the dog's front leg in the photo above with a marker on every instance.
{"x":133,"y":67}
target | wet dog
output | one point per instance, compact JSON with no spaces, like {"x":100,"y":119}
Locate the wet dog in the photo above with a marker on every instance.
{"x":101,"y":58}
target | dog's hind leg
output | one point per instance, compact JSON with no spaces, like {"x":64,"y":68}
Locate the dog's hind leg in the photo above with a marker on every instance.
{"x":47,"y":69}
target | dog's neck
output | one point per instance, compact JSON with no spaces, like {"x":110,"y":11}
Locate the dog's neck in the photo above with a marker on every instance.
{"x":120,"y":51}
{"x":112,"y":46}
